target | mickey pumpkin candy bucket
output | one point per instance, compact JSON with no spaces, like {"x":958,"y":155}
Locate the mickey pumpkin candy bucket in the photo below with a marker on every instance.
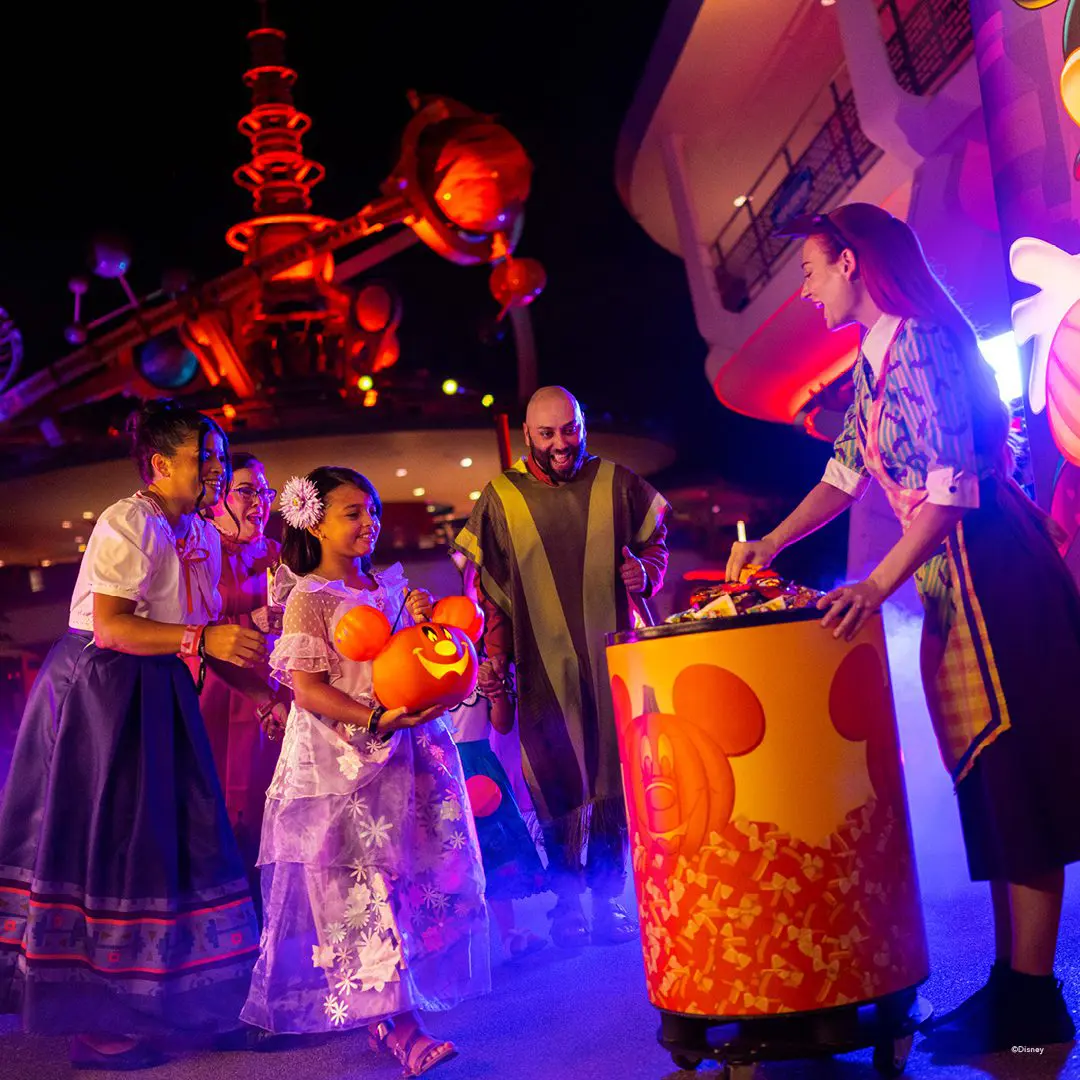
{"x":422,"y":666}
{"x":773,"y":864}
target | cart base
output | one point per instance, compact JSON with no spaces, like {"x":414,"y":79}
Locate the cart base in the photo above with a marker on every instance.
{"x":888,"y":1025}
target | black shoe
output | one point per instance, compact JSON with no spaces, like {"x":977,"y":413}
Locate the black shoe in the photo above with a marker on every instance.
{"x":611,"y":925}
{"x":1040,"y":1015}
{"x":978,"y":1004}
{"x":1023,"y":1010}
{"x":569,"y":930}
{"x":250,"y":1038}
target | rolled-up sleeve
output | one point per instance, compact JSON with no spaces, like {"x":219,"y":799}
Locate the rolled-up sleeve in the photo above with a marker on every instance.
{"x":942,"y":430}
{"x":846,"y":469}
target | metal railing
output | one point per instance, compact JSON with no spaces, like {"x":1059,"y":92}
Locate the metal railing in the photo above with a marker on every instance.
{"x":926,"y":41}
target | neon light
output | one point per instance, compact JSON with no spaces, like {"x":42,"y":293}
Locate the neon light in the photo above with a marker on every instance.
{"x":1002,"y":355}
{"x":1050,"y":319}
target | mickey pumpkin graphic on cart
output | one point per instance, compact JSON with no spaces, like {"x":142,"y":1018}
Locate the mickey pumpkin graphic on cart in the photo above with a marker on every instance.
{"x":419,"y":667}
{"x":678,"y":765}
{"x":768,"y":823}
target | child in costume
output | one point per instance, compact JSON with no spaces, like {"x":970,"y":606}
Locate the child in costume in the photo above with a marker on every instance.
{"x":512,"y":866}
{"x":373,"y":888}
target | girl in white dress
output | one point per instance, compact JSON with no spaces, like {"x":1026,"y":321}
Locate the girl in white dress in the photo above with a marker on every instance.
{"x":373,"y":888}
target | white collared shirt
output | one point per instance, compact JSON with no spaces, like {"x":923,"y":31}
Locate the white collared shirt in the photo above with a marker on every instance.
{"x":132,"y":553}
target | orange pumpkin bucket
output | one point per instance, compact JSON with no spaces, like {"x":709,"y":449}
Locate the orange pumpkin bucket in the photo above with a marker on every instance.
{"x":423,"y":666}
{"x":361,"y":632}
{"x":769,"y":825}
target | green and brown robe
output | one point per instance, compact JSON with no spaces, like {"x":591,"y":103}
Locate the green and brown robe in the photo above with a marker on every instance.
{"x":548,"y":557}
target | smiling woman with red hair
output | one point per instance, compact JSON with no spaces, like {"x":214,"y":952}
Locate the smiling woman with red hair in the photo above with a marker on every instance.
{"x":928,"y":425}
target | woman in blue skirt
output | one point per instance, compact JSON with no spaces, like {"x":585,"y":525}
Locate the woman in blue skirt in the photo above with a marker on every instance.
{"x":124,"y":907}
{"x":512,"y":866}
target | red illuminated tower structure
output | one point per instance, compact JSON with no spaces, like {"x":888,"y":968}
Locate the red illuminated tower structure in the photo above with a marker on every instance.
{"x":279,"y":175}
{"x":298,"y":323}
{"x":288,"y":319}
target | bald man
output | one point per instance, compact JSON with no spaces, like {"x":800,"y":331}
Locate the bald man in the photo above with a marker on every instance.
{"x":565,"y":543}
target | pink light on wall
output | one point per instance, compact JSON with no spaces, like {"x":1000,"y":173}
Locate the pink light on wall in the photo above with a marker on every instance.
{"x":788,"y":359}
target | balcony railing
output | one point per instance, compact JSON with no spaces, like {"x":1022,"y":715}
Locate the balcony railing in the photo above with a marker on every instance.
{"x":926,"y":41}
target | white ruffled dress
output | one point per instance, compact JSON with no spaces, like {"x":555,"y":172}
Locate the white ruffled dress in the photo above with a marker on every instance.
{"x":373,"y":886}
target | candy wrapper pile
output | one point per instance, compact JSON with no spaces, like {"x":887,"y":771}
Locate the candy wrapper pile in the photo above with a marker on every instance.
{"x":756,"y":591}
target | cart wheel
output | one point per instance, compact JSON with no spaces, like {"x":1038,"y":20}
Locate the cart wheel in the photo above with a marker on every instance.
{"x":743,"y":1071}
{"x":686,"y":1061}
{"x":890,"y":1058}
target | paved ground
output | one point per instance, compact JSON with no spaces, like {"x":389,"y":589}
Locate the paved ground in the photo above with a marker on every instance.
{"x":584,"y":1016}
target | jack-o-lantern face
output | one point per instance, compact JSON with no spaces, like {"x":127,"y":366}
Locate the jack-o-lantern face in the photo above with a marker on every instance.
{"x":686,"y":783}
{"x":680,"y":785}
{"x":658,"y":775}
{"x":424,"y":666}
{"x":462,"y":612}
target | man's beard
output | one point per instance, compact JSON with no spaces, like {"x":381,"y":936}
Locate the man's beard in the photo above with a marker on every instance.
{"x":543,"y":458}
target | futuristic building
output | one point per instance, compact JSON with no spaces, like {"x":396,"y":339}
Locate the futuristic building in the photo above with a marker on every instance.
{"x":949,"y":113}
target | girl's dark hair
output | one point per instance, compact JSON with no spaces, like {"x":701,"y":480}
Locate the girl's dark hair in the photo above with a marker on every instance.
{"x":244,"y":460}
{"x":162,"y":426}
{"x":300,"y":551}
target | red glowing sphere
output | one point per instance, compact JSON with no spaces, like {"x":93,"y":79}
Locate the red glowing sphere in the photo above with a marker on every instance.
{"x":517,"y":282}
{"x":374,"y":308}
{"x":482,"y":174}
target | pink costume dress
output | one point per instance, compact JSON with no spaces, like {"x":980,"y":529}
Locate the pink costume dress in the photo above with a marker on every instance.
{"x":244,"y":756}
{"x":373,"y":886}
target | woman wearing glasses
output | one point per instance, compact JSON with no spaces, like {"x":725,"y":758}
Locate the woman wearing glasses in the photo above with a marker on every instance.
{"x":244,"y":726}
{"x":1000,"y":651}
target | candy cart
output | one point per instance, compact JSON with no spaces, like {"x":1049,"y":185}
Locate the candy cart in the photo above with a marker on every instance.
{"x":773,"y":864}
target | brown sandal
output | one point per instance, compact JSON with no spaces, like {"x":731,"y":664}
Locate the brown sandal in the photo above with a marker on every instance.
{"x":379,"y":1036}
{"x":524,"y":943}
{"x":414,"y":1059}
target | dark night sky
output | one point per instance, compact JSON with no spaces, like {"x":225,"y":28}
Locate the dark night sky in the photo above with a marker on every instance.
{"x":124,"y":116}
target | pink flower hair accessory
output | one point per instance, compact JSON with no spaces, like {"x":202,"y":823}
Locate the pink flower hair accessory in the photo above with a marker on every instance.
{"x":301,"y":506}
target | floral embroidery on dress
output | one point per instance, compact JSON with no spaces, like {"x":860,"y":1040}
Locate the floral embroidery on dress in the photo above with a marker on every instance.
{"x":337,"y":1011}
{"x":375,"y":832}
{"x":364,"y":951}
{"x":369,"y":854}
{"x":349,"y":764}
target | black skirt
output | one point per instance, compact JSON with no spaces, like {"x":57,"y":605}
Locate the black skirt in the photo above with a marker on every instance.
{"x":1020,"y":802}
